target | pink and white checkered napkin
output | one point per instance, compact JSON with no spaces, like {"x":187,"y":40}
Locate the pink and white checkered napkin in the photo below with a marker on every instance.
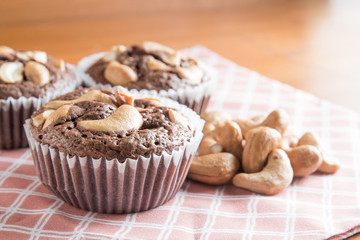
{"x":313,"y":207}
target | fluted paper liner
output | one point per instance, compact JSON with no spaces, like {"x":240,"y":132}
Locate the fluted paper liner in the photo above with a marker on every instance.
{"x":108,"y":186}
{"x":14,"y":112}
{"x":196,"y":98}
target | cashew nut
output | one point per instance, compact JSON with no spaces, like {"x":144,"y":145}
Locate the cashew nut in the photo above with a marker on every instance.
{"x":259,"y":118}
{"x":168,"y":55}
{"x":209,"y":145}
{"x":193,"y":74}
{"x":110,"y":56}
{"x":178,"y":118}
{"x":37,"y":73}
{"x":4,"y":50}
{"x":59,"y":63}
{"x":225,"y":137}
{"x":277,"y":119}
{"x":114,"y":53}
{"x":156,"y":65}
{"x":289,"y":141}
{"x":266,"y":168}
{"x":11,"y":72}
{"x":25,"y":56}
{"x":119,"y":48}
{"x":40,"y":118}
{"x":304,"y":159}
{"x":274,"y":177}
{"x":119,"y":74}
{"x":55,"y":115}
{"x":39,"y":56}
{"x":214,"y":169}
{"x":151,"y":46}
{"x":259,"y":143}
{"x":213,"y":117}
{"x":124,"y":118}
{"x":154,"y":101}
{"x":94,"y":95}
{"x":328,"y":163}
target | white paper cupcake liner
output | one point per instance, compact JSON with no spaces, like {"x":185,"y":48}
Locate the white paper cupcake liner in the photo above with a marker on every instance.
{"x":14,"y":112}
{"x":108,"y":186}
{"x":196,"y":98}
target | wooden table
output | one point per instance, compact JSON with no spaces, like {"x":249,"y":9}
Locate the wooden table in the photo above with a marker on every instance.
{"x":311,"y":45}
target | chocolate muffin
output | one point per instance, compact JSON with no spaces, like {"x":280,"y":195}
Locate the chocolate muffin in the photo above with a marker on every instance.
{"x":104,"y":150}
{"x":27,"y":80}
{"x":151,"y":67}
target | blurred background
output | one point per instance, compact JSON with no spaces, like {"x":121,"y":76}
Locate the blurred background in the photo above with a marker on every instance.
{"x":311,"y":45}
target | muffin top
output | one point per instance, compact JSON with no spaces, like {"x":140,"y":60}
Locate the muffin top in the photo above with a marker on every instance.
{"x":111,"y":124}
{"x":31,"y":73}
{"x":149,"y":65}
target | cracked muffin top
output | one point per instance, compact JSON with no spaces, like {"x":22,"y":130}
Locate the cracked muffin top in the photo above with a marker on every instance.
{"x":149,"y":65}
{"x":31,"y":73}
{"x":111,"y":124}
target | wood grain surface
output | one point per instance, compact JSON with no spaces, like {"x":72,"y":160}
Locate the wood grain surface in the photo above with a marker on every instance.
{"x":311,"y":45}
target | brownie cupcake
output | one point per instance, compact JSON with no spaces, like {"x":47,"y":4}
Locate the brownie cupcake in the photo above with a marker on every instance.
{"x":103,"y":150}
{"x":28,"y":79}
{"x":152,"y":68}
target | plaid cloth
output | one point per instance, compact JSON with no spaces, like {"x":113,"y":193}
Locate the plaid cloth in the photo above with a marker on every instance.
{"x":314,"y":207}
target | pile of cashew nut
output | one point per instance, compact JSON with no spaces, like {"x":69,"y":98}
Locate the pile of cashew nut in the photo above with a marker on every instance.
{"x":256,"y":154}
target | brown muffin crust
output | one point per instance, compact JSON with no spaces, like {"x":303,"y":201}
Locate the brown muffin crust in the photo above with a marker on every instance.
{"x":156,"y":134}
{"x":58,"y":79}
{"x":137,"y":58}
